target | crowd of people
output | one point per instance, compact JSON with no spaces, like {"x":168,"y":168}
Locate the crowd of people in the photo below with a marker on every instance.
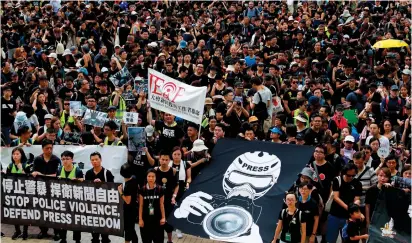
{"x":291,"y":72}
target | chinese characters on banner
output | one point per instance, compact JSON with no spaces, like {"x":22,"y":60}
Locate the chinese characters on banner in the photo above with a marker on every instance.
{"x":174,"y":97}
{"x":130,"y":117}
{"x":62,"y":204}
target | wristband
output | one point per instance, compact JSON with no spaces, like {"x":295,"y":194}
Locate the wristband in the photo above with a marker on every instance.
{"x":121,"y":194}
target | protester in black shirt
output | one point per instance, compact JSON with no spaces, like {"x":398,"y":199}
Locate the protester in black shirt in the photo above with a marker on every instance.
{"x":151,"y":210}
{"x":166,"y":177}
{"x":8,"y":112}
{"x":171,"y":134}
{"x":354,"y":223}
{"x":128,"y":192}
{"x":291,"y":222}
{"x":346,"y":190}
{"x":46,"y":164}
{"x":98,"y":174}
{"x":310,"y":210}
{"x":314,"y":134}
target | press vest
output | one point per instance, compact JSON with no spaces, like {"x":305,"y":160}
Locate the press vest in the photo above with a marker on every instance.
{"x":72,"y":173}
{"x":121,"y":107}
{"x":116,"y":142}
{"x":63,"y":119}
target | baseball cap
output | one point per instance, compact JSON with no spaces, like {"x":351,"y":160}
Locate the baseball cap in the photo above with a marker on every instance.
{"x":300,"y":118}
{"x":406,"y":72}
{"x":48,"y":116}
{"x":300,"y":136}
{"x":349,"y":138}
{"x":394,"y":87}
{"x":253,"y":119}
{"x":239,"y":85}
{"x":149,"y":130}
{"x":276,"y":130}
{"x":104,"y":70}
{"x":53,"y":55}
{"x":290,"y":18}
{"x":112,"y":107}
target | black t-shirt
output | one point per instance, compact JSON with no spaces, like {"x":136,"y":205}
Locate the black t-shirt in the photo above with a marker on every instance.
{"x":168,"y":181}
{"x":140,"y":165}
{"x":186,"y":165}
{"x":102,"y":175}
{"x":347,"y":193}
{"x":353,"y":229}
{"x":371,"y":197}
{"x":309,"y":211}
{"x":103,"y":61}
{"x":187,"y":143}
{"x":63,"y":93}
{"x":151,"y":196}
{"x":312,"y":137}
{"x":326,"y":173}
{"x":291,"y":225}
{"x":291,"y":97}
{"x":130,"y":188}
{"x":169,"y":135}
{"x":46,"y":168}
{"x":7,"y":107}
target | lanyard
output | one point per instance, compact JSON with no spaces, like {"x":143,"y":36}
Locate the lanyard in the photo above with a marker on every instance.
{"x":292,"y":218}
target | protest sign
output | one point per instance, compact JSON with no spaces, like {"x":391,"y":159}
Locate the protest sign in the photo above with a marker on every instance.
{"x":245,"y":184}
{"x":113,"y":157}
{"x":76,"y":108}
{"x":95,"y":118}
{"x":128,"y":96}
{"x":62,"y":204}
{"x":130,"y":117}
{"x":391,"y":219}
{"x":21,"y":120}
{"x":122,"y":77}
{"x":137,"y":138}
{"x":140,"y":85}
{"x":177,"y":98}
{"x":117,"y":121}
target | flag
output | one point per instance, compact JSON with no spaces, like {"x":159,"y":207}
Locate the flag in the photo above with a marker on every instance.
{"x":238,"y":196}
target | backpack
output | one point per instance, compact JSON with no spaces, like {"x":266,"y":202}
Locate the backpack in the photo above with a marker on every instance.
{"x":285,"y":212}
{"x":399,"y":103}
{"x":261,"y":111}
{"x":60,"y":46}
{"x":328,"y":204}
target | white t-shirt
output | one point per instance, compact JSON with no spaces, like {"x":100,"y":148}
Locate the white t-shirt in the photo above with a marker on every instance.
{"x":384,"y":141}
{"x":266,"y":96}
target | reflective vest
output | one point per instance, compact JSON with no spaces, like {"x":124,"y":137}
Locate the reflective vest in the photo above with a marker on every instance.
{"x":14,"y":169}
{"x":63,"y":119}
{"x":121,"y":107}
{"x":18,"y":141}
{"x":72,"y":173}
{"x":116,"y":142}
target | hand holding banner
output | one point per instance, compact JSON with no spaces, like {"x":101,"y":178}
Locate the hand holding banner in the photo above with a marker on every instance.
{"x":174,"y":97}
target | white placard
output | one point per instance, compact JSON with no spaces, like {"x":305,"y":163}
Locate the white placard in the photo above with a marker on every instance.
{"x":130,"y":117}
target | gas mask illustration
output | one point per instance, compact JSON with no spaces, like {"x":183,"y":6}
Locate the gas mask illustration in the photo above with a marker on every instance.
{"x":233,"y":217}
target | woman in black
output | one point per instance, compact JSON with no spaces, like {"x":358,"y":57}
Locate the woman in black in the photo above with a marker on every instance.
{"x":291,"y":225}
{"x":166,"y":178}
{"x":310,"y":210}
{"x":128,"y":192}
{"x":151,"y":210}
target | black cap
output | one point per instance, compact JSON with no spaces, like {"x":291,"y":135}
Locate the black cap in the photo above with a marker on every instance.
{"x":300,"y":136}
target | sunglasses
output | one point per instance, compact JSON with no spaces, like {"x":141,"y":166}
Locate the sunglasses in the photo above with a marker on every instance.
{"x":348,"y":175}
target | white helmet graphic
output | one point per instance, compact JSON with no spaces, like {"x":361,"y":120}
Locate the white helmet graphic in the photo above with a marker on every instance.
{"x":251,"y":175}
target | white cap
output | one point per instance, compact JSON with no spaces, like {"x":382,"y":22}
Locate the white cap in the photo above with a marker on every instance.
{"x":152,"y":44}
{"x":349,"y":138}
{"x":53,"y":55}
{"x":346,"y":36}
{"x":406,"y":72}
{"x":149,"y":130}
{"x":291,"y":18}
{"x":198,"y":146}
{"x":67,"y":52}
{"x":104,"y":69}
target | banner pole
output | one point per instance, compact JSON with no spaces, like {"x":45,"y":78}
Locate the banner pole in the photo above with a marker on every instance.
{"x":200,"y":128}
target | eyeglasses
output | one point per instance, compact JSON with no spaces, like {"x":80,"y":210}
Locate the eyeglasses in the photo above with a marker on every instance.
{"x":66,"y":103}
{"x":366,"y":152}
{"x":319,"y":152}
{"x":348,"y":175}
{"x":294,"y":82}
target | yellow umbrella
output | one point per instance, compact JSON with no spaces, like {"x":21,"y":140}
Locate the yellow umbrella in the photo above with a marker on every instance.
{"x":391,"y":43}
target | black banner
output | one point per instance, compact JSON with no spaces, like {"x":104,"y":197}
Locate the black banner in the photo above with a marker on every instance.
{"x":391,"y":219}
{"x":238,"y":196}
{"x":62,"y":204}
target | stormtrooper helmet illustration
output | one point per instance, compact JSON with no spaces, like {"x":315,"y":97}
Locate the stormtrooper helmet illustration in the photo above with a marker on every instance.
{"x":251,"y":175}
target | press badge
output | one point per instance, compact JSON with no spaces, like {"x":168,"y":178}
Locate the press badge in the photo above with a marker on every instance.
{"x":288,"y":237}
{"x":151,"y":209}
